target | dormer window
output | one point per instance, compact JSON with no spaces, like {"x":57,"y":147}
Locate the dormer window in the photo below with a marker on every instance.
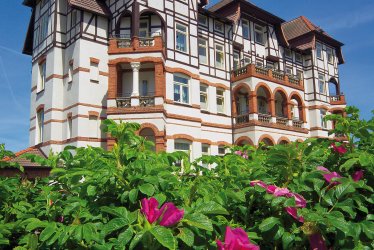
{"x":259,"y":34}
{"x":218,"y":26}
{"x":202,"y":20}
{"x":319,"y":51}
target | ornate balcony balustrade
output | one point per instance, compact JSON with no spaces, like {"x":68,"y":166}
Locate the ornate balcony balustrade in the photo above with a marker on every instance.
{"x":123,"y":102}
{"x":146,"y":101}
{"x":282,"y":121}
{"x":338,"y":100}
{"x":297,"y":124}
{"x":271,"y":75}
{"x":264,"y":118}
{"x":240,"y":119}
{"x":119,"y":44}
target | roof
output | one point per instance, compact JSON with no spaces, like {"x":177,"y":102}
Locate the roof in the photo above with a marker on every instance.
{"x":19,"y":157}
{"x":95,"y":6}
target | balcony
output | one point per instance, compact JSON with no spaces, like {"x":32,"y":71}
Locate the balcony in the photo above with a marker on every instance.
{"x":240,"y":119}
{"x":271,"y":75}
{"x":264,"y":118}
{"x":338,"y":100}
{"x":282,"y":121}
{"x":120,"y":44}
{"x":139,"y":101}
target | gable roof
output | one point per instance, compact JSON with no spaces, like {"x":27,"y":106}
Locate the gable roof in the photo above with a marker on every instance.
{"x":19,"y":157}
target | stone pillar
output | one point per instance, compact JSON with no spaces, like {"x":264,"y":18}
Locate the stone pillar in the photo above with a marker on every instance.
{"x":271,"y":102}
{"x":252,"y":102}
{"x":113,"y":82}
{"x":135,"y":78}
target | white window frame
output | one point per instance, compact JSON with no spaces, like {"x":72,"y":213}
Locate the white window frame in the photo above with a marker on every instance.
{"x":288,"y":53}
{"x":298,"y":58}
{"x":204,"y":93}
{"x":220,"y":24}
{"x":181,"y":86}
{"x":42,"y":76}
{"x":236,"y":59}
{"x":321,"y":83}
{"x":39,"y":126}
{"x":259,"y":63}
{"x":203,"y":43}
{"x":218,"y":64}
{"x":220,"y":97}
{"x":245,"y":26}
{"x":247,"y":60}
{"x":319,"y":51}
{"x":289,"y":70}
{"x":259,"y":31}
{"x":330,"y":55}
{"x":185,"y":34}
{"x":201,"y":18}
{"x":43,"y":27}
{"x":188,"y":151}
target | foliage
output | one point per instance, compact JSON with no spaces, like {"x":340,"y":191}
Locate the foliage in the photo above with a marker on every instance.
{"x":93,"y":198}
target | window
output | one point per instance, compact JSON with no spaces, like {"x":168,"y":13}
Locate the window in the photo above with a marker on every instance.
{"x":323,"y":122}
{"x":259,"y":34}
{"x":299,"y":73}
{"x":221,"y":150}
{"x":43,"y":3}
{"x":245,"y":27}
{"x":289,"y":70}
{"x":69,"y":128}
{"x":43,"y":27}
{"x":181,"y":89}
{"x":181,"y":37}
{"x":259,"y":63}
{"x":143,"y":28}
{"x":220,"y":101}
{"x":93,"y":126}
{"x":74,"y":18}
{"x":218,"y":26}
{"x":203,"y":51}
{"x":236,"y":59}
{"x":94,"y":72}
{"x":40,"y":126}
{"x":205,"y":149}
{"x":144,"y":91}
{"x":321,"y":84}
{"x":219,"y":57}
{"x":203,"y":97}
{"x":330,"y":55}
{"x":288,"y":53}
{"x":270,"y":65}
{"x":70,"y":73}
{"x":319,"y":50}
{"x":182,"y":146}
{"x":247,"y":60}
{"x":42,"y":76}
{"x":202,"y":20}
{"x":298,"y":58}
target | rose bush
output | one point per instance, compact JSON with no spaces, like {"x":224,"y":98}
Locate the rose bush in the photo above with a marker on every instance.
{"x":132,"y":198}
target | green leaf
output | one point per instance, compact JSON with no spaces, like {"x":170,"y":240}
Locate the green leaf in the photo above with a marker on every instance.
{"x":114,"y":225}
{"x":348,"y":164}
{"x":287,"y":239}
{"x":344,"y":189}
{"x":368,"y":229}
{"x":187,"y":236}
{"x":268,"y":224}
{"x":164,"y":236}
{"x":91,"y":190}
{"x":89,"y":232}
{"x":125,"y":237}
{"x":47,"y":232}
{"x":147,"y":189}
{"x":161,"y":198}
{"x":199,"y":221}
{"x":36,"y":223}
{"x":32,"y":243}
{"x":133,"y":195}
{"x":136,"y":240}
{"x":211,"y":207}
{"x":276,"y":201}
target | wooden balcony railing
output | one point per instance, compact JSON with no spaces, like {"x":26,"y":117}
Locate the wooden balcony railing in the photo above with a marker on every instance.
{"x":119,"y":44}
{"x":338,"y":100}
{"x":271,"y":75}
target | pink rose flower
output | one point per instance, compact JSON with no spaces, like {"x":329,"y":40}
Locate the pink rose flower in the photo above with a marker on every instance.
{"x":259,"y":183}
{"x":317,"y":242}
{"x":329,"y":175}
{"x":358,"y":175}
{"x":150,"y":209}
{"x":281,"y":192}
{"x":171,"y":215}
{"x":339,"y":149}
{"x":236,"y":239}
{"x":293,"y":212}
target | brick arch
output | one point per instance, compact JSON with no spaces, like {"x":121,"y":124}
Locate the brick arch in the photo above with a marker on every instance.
{"x":250,"y":104}
{"x":183,"y":136}
{"x":295,"y":95}
{"x":159,"y":135}
{"x":283,"y":138}
{"x":144,"y":59}
{"x":163,"y":23}
{"x":40,"y":107}
{"x":337,"y":110}
{"x":223,"y":143}
{"x":269,"y":100}
{"x":118,"y":24}
{"x":299,"y":140}
{"x":285,"y":106}
{"x":244,"y":138}
{"x":266,"y":136}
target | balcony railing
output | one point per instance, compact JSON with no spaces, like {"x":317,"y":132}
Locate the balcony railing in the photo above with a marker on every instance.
{"x":146,"y":101}
{"x":282,"y":121}
{"x":297,"y":124}
{"x":125,"y":44}
{"x":337,"y":100}
{"x":269,"y":74}
{"x":123,"y":102}
{"x":264,"y":118}
{"x":242,"y":119}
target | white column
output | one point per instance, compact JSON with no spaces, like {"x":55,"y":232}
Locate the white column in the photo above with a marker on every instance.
{"x":135,"y":78}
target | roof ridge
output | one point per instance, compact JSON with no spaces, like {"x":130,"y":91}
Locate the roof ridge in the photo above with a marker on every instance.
{"x":308,"y":23}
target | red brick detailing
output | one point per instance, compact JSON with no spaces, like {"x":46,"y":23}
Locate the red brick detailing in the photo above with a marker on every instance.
{"x":93,"y":113}
{"x":102,"y":73}
{"x":318,"y":107}
{"x":251,"y":72}
{"x":159,"y":136}
{"x":215,"y":125}
{"x":70,"y":115}
{"x":243,"y":139}
{"x":234,"y":94}
{"x":219,"y":143}
{"x":266,"y":136}
{"x":135,"y":110}
{"x":181,"y":136}
{"x":40,"y":107}
{"x":271,"y":125}
{"x":160,"y":80}
{"x":80,"y":69}
{"x":283,"y":138}
{"x":217,"y":85}
{"x":94,"y":60}
{"x":285,"y":107}
{"x":54,"y":76}
{"x":341,"y":100}
{"x":182,"y":71}
{"x":302,"y":113}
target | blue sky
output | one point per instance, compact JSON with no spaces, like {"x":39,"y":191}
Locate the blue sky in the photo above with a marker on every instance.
{"x":351,"y":22}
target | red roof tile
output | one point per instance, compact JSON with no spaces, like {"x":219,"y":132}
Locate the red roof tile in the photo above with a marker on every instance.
{"x":95,"y":6}
{"x":19,"y":157}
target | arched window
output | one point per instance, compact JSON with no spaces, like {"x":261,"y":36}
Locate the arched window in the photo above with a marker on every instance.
{"x":333,"y":87}
{"x":149,"y":135}
{"x":263,"y":103}
{"x":280,"y":104}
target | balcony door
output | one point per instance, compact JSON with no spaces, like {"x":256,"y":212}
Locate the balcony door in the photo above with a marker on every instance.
{"x":144,"y":28}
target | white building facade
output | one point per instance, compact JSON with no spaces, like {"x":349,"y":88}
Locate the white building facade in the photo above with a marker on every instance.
{"x":197,"y":79}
